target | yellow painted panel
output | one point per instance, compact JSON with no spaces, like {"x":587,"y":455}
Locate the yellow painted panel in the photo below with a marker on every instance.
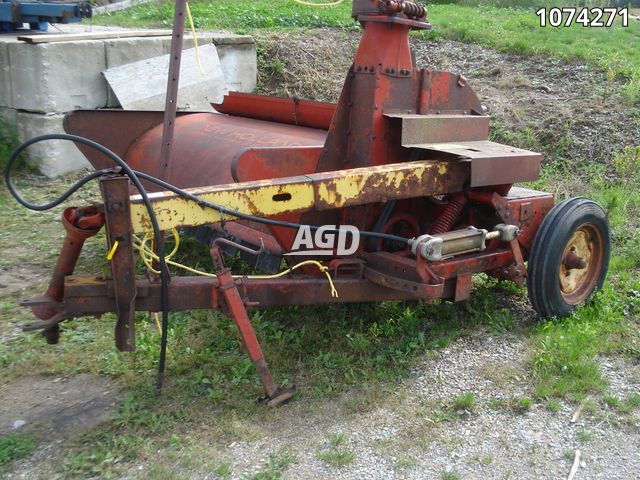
{"x":172,"y":211}
{"x":318,"y":191}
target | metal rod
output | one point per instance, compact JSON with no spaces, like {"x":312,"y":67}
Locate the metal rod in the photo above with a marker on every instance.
{"x":173,"y":78}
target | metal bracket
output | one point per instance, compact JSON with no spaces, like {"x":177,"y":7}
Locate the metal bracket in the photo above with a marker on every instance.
{"x":115,"y":192}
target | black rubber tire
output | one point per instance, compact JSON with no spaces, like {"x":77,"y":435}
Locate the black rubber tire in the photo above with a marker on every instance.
{"x":546,"y":255}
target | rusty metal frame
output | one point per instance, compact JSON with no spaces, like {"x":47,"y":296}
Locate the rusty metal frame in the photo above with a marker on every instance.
{"x":318,"y":191}
{"x":115,"y":192}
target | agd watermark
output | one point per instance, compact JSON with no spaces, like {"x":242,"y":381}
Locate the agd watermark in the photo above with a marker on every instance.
{"x":328,"y":240}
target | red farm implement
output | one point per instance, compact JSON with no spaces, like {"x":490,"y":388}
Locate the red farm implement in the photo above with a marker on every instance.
{"x":395,"y":192}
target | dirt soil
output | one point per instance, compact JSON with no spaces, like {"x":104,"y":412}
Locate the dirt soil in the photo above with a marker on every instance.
{"x":55,"y":406}
{"x":403,"y":436}
{"x":550,"y":102}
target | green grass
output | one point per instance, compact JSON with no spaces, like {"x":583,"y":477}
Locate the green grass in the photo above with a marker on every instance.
{"x":326,"y":350}
{"x":626,"y":405}
{"x":450,"y":476}
{"x":275,"y":467}
{"x":553,"y":405}
{"x":564,"y":359}
{"x":336,"y":457}
{"x":463,"y":403}
{"x":584,"y":436}
{"x":15,"y":446}
{"x":521,"y":404}
{"x":8,"y":143}
{"x":612,"y":49}
{"x":516,"y":404}
{"x":241,"y":16}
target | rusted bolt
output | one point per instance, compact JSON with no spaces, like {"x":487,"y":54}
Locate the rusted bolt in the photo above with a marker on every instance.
{"x":116,"y":206}
{"x":359,"y":68}
{"x":393,"y":70}
{"x":371,"y":68}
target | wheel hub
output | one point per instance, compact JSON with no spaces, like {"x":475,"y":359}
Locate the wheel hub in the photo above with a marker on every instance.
{"x":580,"y":264}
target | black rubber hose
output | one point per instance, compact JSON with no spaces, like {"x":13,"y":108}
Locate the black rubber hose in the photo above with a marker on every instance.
{"x":135,"y":176}
{"x":164,"y":270}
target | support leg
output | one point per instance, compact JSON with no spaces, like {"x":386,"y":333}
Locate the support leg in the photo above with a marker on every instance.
{"x":234,"y":308}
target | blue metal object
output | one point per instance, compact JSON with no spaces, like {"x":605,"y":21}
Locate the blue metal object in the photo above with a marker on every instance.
{"x":15,"y":13}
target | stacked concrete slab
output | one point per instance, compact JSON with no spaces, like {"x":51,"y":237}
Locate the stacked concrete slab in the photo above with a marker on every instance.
{"x":39,"y":83}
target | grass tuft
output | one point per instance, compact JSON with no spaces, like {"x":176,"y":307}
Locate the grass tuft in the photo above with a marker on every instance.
{"x":463,"y":403}
{"x":15,"y":446}
{"x":337,"y":457}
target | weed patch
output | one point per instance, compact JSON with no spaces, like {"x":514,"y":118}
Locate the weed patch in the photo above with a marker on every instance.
{"x":14,"y":447}
{"x":337,"y":457}
{"x":8,"y":143}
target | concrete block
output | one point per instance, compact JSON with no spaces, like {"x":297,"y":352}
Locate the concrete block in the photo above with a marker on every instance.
{"x":123,"y":51}
{"x":54,"y":157}
{"x":8,"y":115}
{"x":224,"y":38}
{"x":239,"y":64}
{"x":6,"y":93}
{"x":187,"y":42}
{"x":237,"y":55}
{"x":58,"y":77}
{"x":142,"y":85}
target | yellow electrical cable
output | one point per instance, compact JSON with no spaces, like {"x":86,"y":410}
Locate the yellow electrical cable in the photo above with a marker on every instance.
{"x":113,"y":250}
{"x":322,"y":268}
{"x":312,"y":4}
{"x":145,"y":240}
{"x":149,"y":255}
{"x":195,"y":39}
{"x":157,"y":321}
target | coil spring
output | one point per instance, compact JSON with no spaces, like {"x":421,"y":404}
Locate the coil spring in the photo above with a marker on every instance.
{"x":410,"y":9}
{"x":449,"y":216}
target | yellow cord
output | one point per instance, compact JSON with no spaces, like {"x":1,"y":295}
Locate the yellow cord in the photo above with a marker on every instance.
{"x":195,"y":40}
{"x":312,"y":4}
{"x":113,"y":250}
{"x":148,"y":256}
{"x":322,"y":268}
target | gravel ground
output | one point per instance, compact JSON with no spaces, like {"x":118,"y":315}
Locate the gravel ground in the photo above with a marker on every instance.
{"x":405,"y":439}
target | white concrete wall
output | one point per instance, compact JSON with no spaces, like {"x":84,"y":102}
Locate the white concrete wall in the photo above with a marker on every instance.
{"x":57,"y":77}
{"x":53,"y":157}
{"x":39,"y":83}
